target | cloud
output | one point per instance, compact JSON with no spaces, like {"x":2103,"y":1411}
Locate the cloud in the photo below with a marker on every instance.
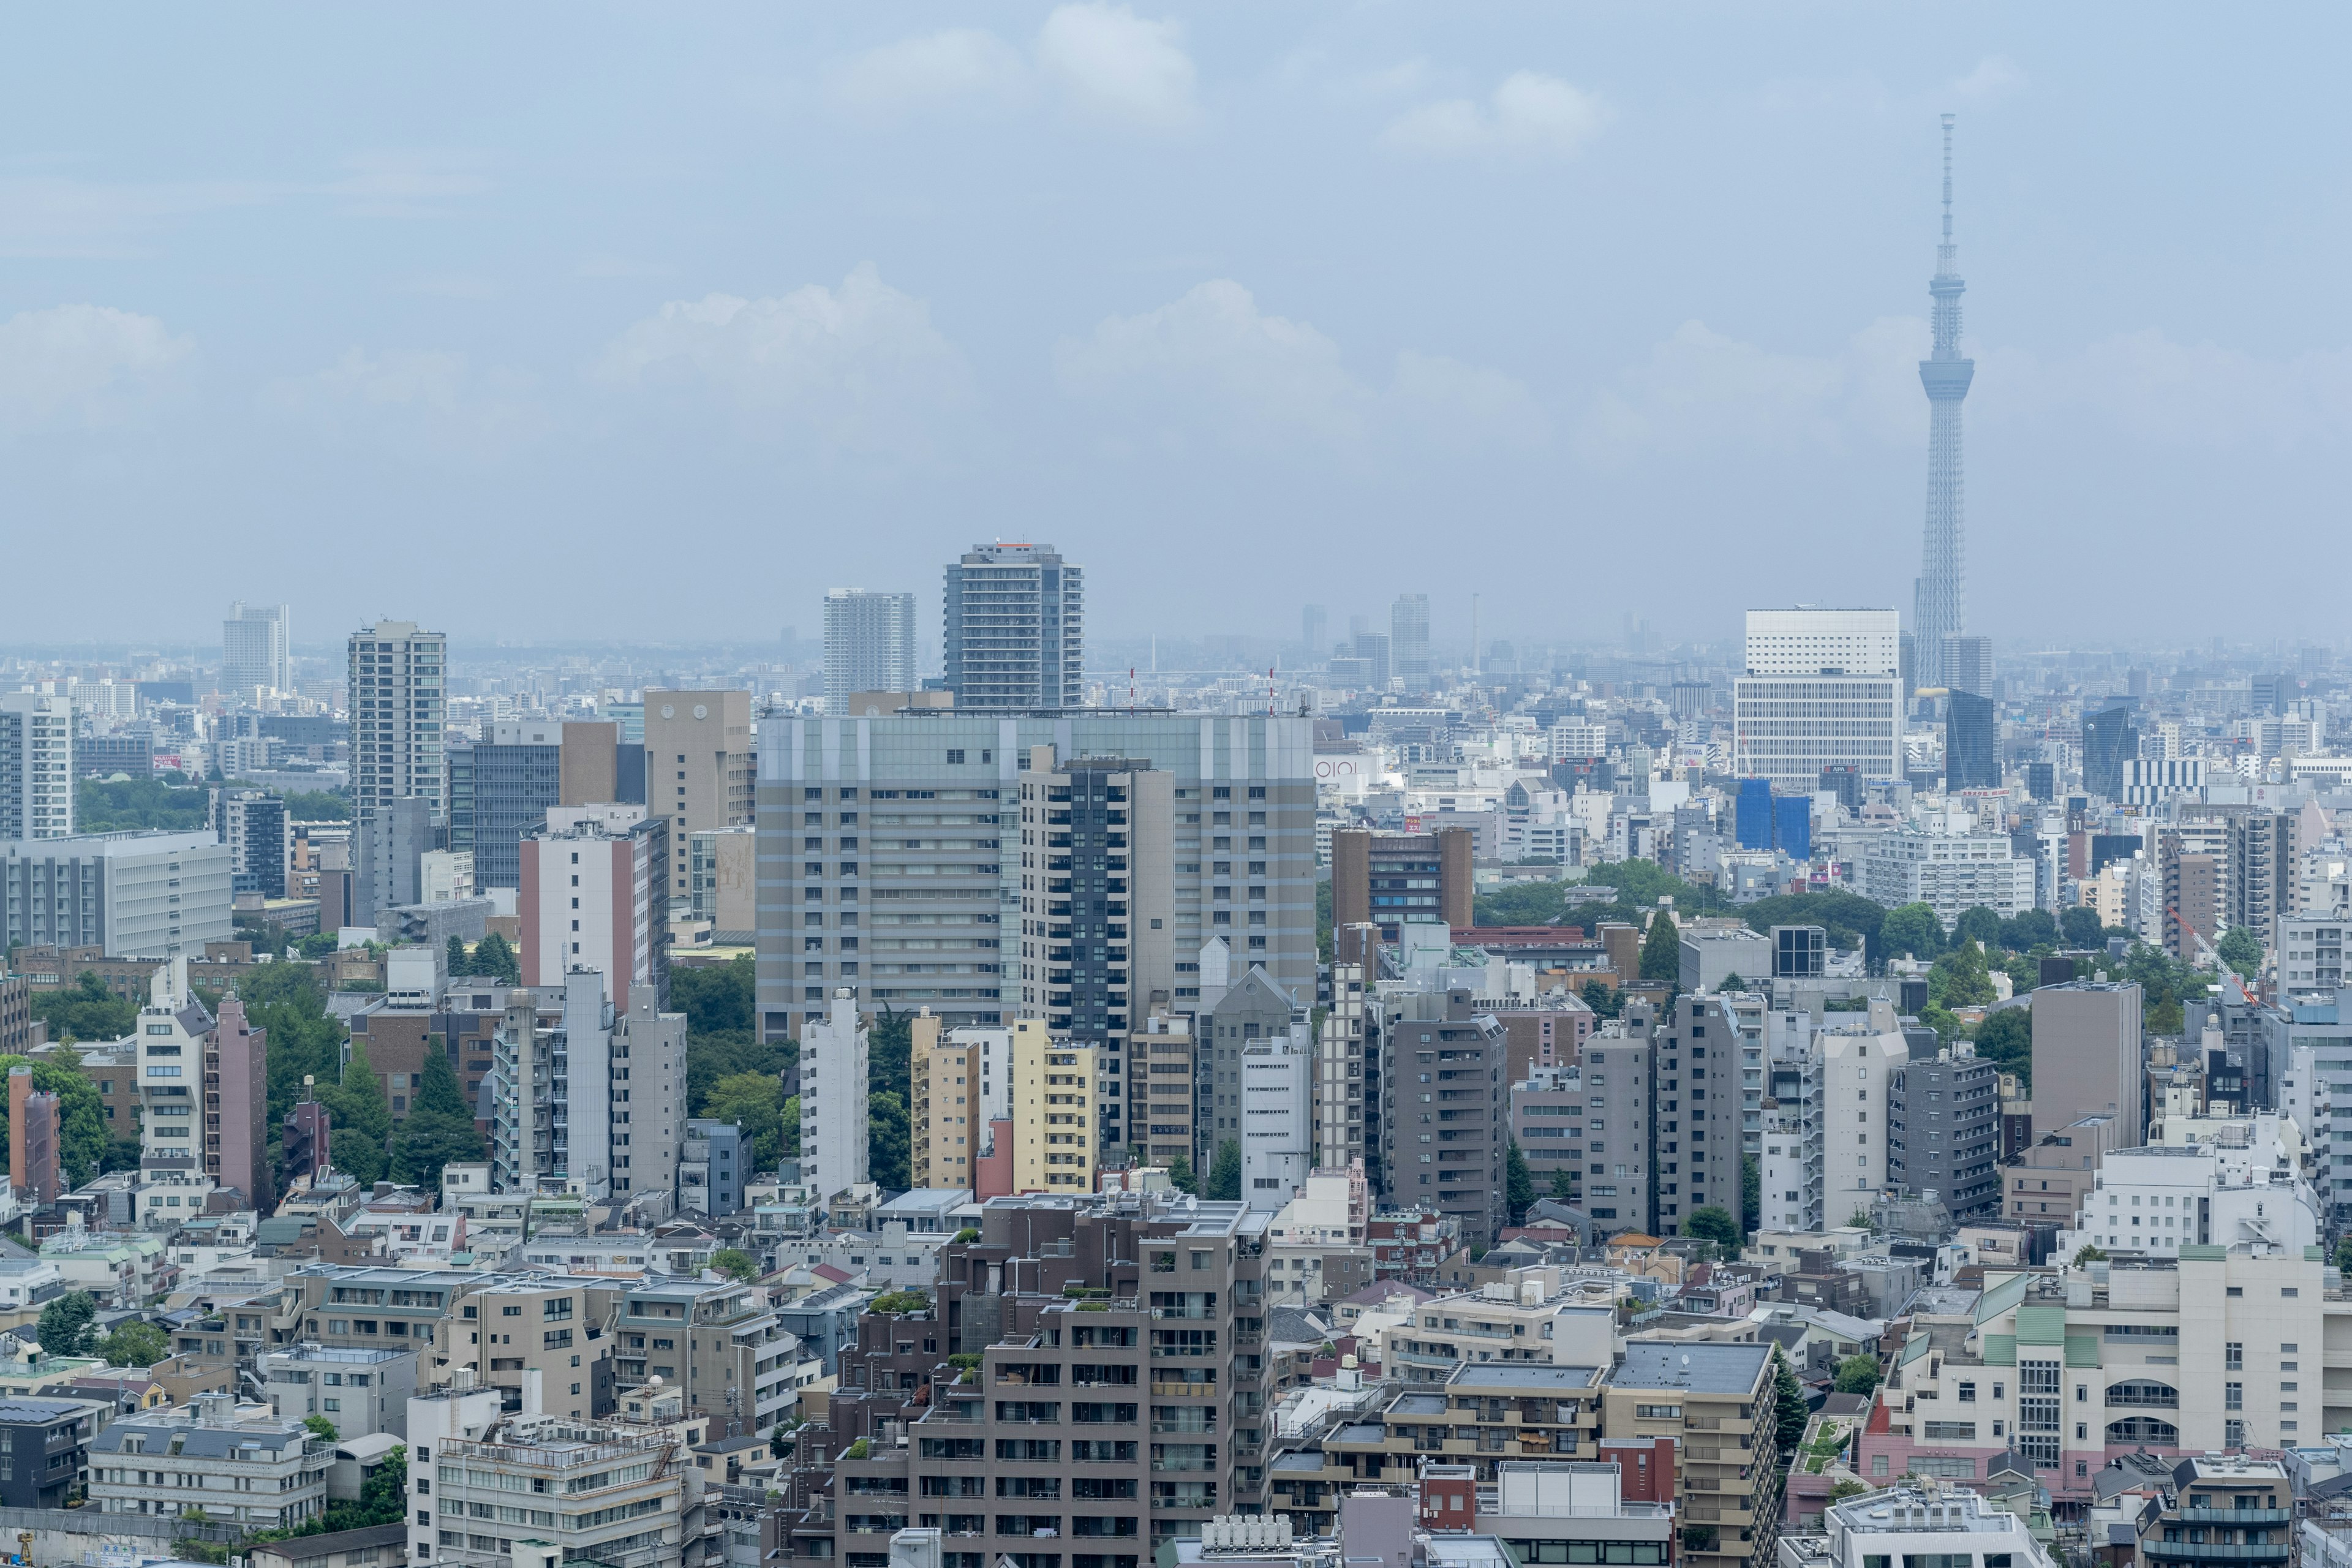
{"x":81,"y":365}
{"x":958,"y":67}
{"x":421,"y":403}
{"x":1700,"y":392}
{"x":861,"y":366}
{"x":1996,"y":77}
{"x":1213,"y":365}
{"x":2146,"y":386}
{"x":1529,"y":115}
{"x":405,"y":185}
{"x":1116,"y":65}
{"x":1101,"y":60}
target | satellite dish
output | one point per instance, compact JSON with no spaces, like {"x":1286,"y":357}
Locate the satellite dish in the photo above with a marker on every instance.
{"x":1686,"y":1358}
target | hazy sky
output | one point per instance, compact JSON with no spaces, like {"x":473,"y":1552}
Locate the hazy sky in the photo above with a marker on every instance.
{"x":654,"y":322}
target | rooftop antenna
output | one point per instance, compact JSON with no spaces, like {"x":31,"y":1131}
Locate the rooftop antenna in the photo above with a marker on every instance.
{"x":1944,"y":253}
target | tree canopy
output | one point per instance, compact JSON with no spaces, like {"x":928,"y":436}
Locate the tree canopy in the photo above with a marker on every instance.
{"x":1518,"y":1183}
{"x":104,"y":805}
{"x":2006,"y":1039}
{"x":1224,"y":1181}
{"x":1857,"y":1374}
{"x":85,"y":1010}
{"x":66,"y":1325}
{"x":1661,"y":951}
{"x":1714,"y":1224}
{"x":1911,"y":930}
{"x":360,"y":1118}
{"x":439,"y":1128}
{"x":136,"y":1343}
{"x":2242,"y":950}
{"x":82,"y":1141}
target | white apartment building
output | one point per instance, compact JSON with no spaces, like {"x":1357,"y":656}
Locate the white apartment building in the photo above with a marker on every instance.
{"x":834,"y":1129}
{"x":1539,"y":1314}
{"x":256,"y":649}
{"x":363,"y":1392}
{"x":239,"y":1465}
{"x":1857,"y":1061}
{"x":1950,"y":872}
{"x":869,"y":644}
{"x":1277,"y":1118}
{"x":1822,"y":689}
{"x":2310,"y":954}
{"x":594,"y":895}
{"x":37,"y":781}
{"x":398,"y":713}
{"x":2154,"y":1201}
{"x":1792,"y":1168}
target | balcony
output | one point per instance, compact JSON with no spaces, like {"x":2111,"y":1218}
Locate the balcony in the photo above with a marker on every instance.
{"x":2210,"y":1551}
{"x":2239,"y":1516}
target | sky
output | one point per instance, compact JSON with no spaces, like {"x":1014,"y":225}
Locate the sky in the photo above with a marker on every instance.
{"x":653,"y":323}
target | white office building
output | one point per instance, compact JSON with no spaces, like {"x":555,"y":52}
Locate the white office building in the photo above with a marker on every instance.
{"x":2153,"y":1201}
{"x":1950,"y":872}
{"x":1277,"y":1118}
{"x":36,"y":780}
{"x":1822,"y":689}
{"x":869,"y":644}
{"x":1857,"y":1061}
{"x":256,"y":649}
{"x":134,"y":895}
{"x":835,"y":1128}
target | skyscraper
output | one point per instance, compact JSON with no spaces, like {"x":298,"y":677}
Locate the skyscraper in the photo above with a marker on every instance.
{"x":1941,"y":608}
{"x":2110,"y":740}
{"x":1967,"y":665}
{"x":1312,"y":624}
{"x":1015,"y":628}
{"x":36,"y":777}
{"x":1823,"y":688}
{"x":397,"y":676}
{"x":697,"y":769}
{"x":1409,"y":640}
{"x":499,"y":789}
{"x":1971,"y":757}
{"x":256,"y":649}
{"x":869,"y":644}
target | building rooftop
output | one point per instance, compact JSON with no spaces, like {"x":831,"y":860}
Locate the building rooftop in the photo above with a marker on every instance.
{"x":31,"y":1412}
{"x":1954,"y":1511}
{"x":1696,"y":1367}
{"x":1525,"y":1375}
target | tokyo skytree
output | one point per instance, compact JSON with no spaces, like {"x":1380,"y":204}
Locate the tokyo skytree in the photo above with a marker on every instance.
{"x":1940,"y":606}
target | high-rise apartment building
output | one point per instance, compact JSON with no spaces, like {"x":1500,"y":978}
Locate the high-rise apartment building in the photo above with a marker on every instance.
{"x":1277,"y":1118}
{"x":253,"y":825}
{"x":835,"y":1126}
{"x":498,"y":791}
{"x":1696,"y":1109}
{"x":697,"y":767}
{"x":1095,"y":831}
{"x":948,"y":1117}
{"x":36,"y":771}
{"x":889,"y":855}
{"x":1251,"y":1009}
{"x":1446,"y":1116}
{"x":1823,"y":688}
{"x":1313,"y":625}
{"x":2110,"y":740}
{"x":1943,"y":1118}
{"x":398,"y":684}
{"x":33,"y":1166}
{"x":869,"y":644}
{"x":256,"y":649}
{"x":1343,"y":1074}
{"x":1409,"y":640}
{"x":1015,"y":629}
{"x":1620,"y":1077}
{"x":204,"y":1090}
{"x":586,"y":1090}
{"x":2263,"y":867}
{"x":593,"y":897}
{"x":1858,"y":1059}
{"x":1054,"y":1090}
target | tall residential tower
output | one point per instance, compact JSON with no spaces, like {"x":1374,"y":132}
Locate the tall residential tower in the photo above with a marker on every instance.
{"x":1015,"y":628}
{"x":869,"y":644}
{"x":1940,"y":609}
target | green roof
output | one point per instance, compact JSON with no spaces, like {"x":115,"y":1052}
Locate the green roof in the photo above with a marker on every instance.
{"x":2202,"y":1252}
{"x":2042,"y":1325}
{"x":2001,"y":1298}
{"x":1913,"y":1348}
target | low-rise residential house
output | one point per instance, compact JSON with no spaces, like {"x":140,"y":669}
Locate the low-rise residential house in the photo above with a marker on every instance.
{"x":363,"y":1392}
{"x":118,"y":1269}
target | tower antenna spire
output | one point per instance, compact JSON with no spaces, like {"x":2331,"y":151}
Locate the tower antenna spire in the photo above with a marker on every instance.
{"x":1945,"y":254}
{"x":1940,"y":596}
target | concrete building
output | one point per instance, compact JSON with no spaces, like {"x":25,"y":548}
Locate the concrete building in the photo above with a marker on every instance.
{"x":2263,"y":872}
{"x":945,"y":1125}
{"x":1732,"y":1490}
{"x":580,"y":1089}
{"x":593,"y":897}
{"x":1696,"y":1113}
{"x":1546,"y":1111}
{"x":1710,"y":958}
{"x":1409,"y":641}
{"x":926,"y":925}
{"x":712,"y":1167}
{"x":498,"y":791}
{"x":588,"y":764}
{"x":2311,"y":956}
{"x":1346,"y":1069}
{"x":1054,"y":1113}
{"x":47,"y":1445}
{"x":1094,"y":830}
{"x":256,"y":651}
{"x":37,"y":768}
{"x":698,"y":771}
{"x":1943,"y":1120}
{"x":2046,"y":1185}
{"x":2087,"y":1056}
{"x":1163,"y":1071}
{"x":174,"y":1038}
{"x":1277,"y":1120}
{"x":131,"y":895}
{"x":253,"y":824}
{"x":869,"y":644}
{"x":1793,"y":1163}
{"x":718,"y":1345}
{"x":1619,"y":1082}
{"x":623,"y":1496}
{"x":1858,"y":1061}
{"x":1393,"y":879}
{"x":1015,"y":629}
{"x":1950,"y":872}
{"x":33,"y":1170}
{"x":398,"y":710}
{"x":722,"y":884}
{"x":237,"y":1139}
{"x":1445,"y":1114}
{"x":1822,"y":689}
{"x":363,"y":1392}
{"x":2154,"y":1201}
{"x":239,"y":1465}
{"x":1915,"y":1526}
{"x":833,"y":1088}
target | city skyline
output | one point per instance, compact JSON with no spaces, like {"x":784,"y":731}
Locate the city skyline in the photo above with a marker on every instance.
{"x":444,"y":332}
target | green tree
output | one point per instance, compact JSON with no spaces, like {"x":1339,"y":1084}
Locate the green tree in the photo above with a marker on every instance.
{"x":1181,"y":1177}
{"x":754,"y":1102}
{"x":1911,"y":930}
{"x":2087,"y":1253}
{"x":890,"y":1145}
{"x":317,"y":805}
{"x":1604,"y":1000}
{"x":1563,"y":1185}
{"x":136,"y":1343}
{"x":2006,"y":1039}
{"x":2343,"y":1254}
{"x":716,"y":998}
{"x":1518,"y":1183}
{"x":321,"y":1428}
{"x":439,"y":1129}
{"x":82,"y":1142}
{"x":2029,"y":929}
{"x":1732,"y":982}
{"x":383,"y":1499}
{"x":318,"y":944}
{"x":1715,"y":1224}
{"x":1225,"y":1182}
{"x":1941,"y":1020}
{"x":1789,"y":1412}
{"x":1857,"y":1374}
{"x":2080,"y":927}
{"x":494,"y":959}
{"x":65,"y":1325}
{"x":1752,"y":1194}
{"x":459,"y":964}
{"x":305,"y":1039}
{"x":110,"y":806}
{"x":1960,"y":978}
{"x":2242,"y":950}
{"x":1848,"y":1488}
{"x":1661,"y":951}
{"x":85,"y":1010}
{"x":788,"y":1136}
{"x":1978,"y":925}
{"x":1325,"y":938}
{"x":360,"y":1118}
{"x":1850,"y":918}
{"x":736,"y":1263}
